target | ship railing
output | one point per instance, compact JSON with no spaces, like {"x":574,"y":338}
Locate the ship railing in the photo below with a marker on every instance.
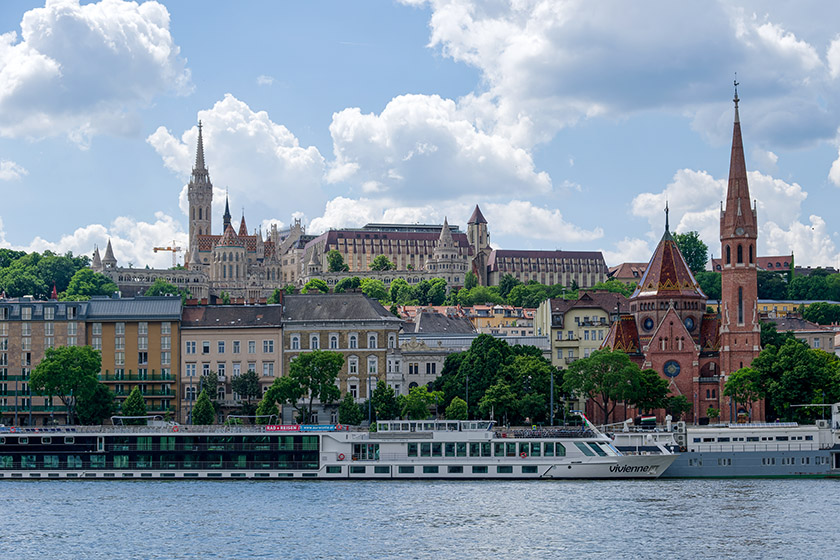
{"x":763,"y":446}
{"x":546,"y":433}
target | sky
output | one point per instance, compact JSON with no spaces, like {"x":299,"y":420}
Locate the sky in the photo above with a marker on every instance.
{"x":570,"y":123}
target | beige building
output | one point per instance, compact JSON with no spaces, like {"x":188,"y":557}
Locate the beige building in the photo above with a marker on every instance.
{"x":228,"y":340}
{"x":816,"y":336}
{"x":578,"y":327}
{"x":139,"y":340}
{"x":27,"y":329}
{"x":501,"y":320}
{"x":357,"y":327}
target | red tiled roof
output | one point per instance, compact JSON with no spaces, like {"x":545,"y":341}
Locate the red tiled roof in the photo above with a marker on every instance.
{"x":667,"y":273}
{"x":623,"y":336}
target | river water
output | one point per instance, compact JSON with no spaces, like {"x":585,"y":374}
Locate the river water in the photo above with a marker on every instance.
{"x":423,"y":519}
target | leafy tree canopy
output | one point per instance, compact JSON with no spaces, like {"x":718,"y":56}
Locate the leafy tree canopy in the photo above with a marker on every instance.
{"x":134,"y":405}
{"x":457,"y":409}
{"x":94,"y":403}
{"x":694,"y":251}
{"x":312,"y":375}
{"x":709,"y":283}
{"x":470,"y":280}
{"x":822,"y":313}
{"x":335,"y":262}
{"x":247,"y":386}
{"x":203,"y":412}
{"x":316,"y":285}
{"x":385,"y":402}
{"x":616,"y":286}
{"x":267,"y":411}
{"x":771,"y":285}
{"x":419,"y":401}
{"x":346,"y":284}
{"x":86,"y":284}
{"x":161,"y":287}
{"x":606,"y":377}
{"x":66,"y":372}
{"x":381,"y":263}
{"x":349,"y":411}
{"x":374,"y":289}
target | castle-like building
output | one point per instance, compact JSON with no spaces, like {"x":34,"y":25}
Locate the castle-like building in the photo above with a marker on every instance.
{"x":667,"y":327}
{"x":250,"y":266}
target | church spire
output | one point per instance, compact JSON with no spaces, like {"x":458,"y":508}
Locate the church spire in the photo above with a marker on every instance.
{"x":226,"y":217}
{"x":199,"y":152}
{"x":738,"y":188}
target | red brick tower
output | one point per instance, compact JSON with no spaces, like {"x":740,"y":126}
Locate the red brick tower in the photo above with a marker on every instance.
{"x":740,"y":332}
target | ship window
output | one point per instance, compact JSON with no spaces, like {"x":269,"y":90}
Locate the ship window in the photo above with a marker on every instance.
{"x":535,"y":449}
{"x":425,"y":449}
{"x":475,"y":449}
{"x":333,"y":470}
{"x":595,"y":447}
{"x":506,"y":469}
{"x":461,"y":449}
{"x":382,"y":470}
{"x":498,"y":449}
{"x":548,"y":449}
{"x":412,"y":450}
{"x":529,"y":470}
{"x":357,"y":470}
{"x":430,"y":470}
{"x":583,"y":449}
{"x":455,"y":470}
{"x":449,"y":449}
{"x":406,"y":470}
{"x":510,"y":449}
{"x":436,"y":450}
{"x":479,"y":470}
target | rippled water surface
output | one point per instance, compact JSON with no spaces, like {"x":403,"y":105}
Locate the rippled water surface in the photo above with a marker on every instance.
{"x":440,"y":520}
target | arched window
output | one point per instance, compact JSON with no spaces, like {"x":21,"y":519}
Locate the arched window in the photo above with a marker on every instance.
{"x":740,"y":254}
{"x":353,"y":341}
{"x":728,"y":255}
{"x":295,"y":342}
{"x":372,"y":341}
{"x":199,"y":214}
{"x":751,"y":254}
{"x":333,"y":342}
{"x":313,"y":342}
{"x":740,"y":305}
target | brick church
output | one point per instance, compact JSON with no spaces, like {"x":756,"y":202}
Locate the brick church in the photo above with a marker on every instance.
{"x":667,"y":327}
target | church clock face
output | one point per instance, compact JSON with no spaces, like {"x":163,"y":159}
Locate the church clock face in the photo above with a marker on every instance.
{"x":739,"y":231}
{"x":672,"y":368}
{"x":689,"y":323}
{"x":647,"y":324}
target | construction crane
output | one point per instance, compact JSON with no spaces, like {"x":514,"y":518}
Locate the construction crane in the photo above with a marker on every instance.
{"x":174,"y":249}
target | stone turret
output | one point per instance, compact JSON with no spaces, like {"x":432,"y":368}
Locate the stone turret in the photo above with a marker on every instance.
{"x":96,"y":263}
{"x":110,"y":261}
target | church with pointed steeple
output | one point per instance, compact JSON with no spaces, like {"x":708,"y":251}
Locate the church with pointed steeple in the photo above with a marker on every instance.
{"x":667,"y":327}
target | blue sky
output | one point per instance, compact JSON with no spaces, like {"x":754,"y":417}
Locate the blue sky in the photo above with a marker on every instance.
{"x":569,"y":125}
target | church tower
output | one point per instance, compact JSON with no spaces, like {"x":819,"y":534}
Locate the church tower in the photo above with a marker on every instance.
{"x":479,"y":240}
{"x":200,"y":196}
{"x":740,"y":331}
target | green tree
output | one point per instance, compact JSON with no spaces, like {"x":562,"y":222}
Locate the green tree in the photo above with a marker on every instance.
{"x":499,"y":400}
{"x":822,"y":313}
{"x":134,"y":405}
{"x":374,"y":289}
{"x":709,"y":283}
{"x":94,"y":403}
{"x":203,"y":412}
{"x":86,"y":284}
{"x":8,"y":256}
{"x":316,"y":285}
{"x":527,"y":295}
{"x":677,"y":405}
{"x":335,"y":262}
{"x":161,"y":287}
{"x":349,"y":412}
{"x":457,"y":409}
{"x":506,"y":283}
{"x":275,"y":297}
{"x":694,"y":251}
{"x":385,"y":401}
{"x":66,"y":372}
{"x":289,"y":288}
{"x":267,"y":411}
{"x":225,"y":298}
{"x":480,"y":295}
{"x":616,"y":286}
{"x":470,"y":280}
{"x":745,"y":386}
{"x":247,"y":386}
{"x":401,"y":293}
{"x":606,"y":377}
{"x":649,"y":391}
{"x":769,"y":335}
{"x":347,"y":284}
{"x":381,"y":263}
{"x":771,"y":285}
{"x":311,"y":375}
{"x":418,"y":402}
{"x":210,"y":382}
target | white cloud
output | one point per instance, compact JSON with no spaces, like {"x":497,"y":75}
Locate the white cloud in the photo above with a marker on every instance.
{"x":263,"y":80}
{"x":694,"y":198}
{"x":523,"y":219}
{"x":81,"y":70}
{"x":421,"y":146}
{"x":10,"y":171}
{"x":261,"y":163}
{"x":764,"y":160}
{"x":547,"y":64}
{"x":133,"y":241}
{"x":343,"y":212}
{"x":833,"y":58}
{"x":628,"y":250}
{"x":834,"y":172}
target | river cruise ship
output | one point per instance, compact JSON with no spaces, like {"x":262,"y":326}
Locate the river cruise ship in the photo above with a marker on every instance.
{"x":398,"y":449}
{"x":754,"y":450}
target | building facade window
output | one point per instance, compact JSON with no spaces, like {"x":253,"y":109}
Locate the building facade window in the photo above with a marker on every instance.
{"x":236,"y":347}
{"x":295,"y":342}
{"x":252,"y":346}
{"x":268,"y":369}
{"x":189,"y":347}
{"x":268,"y":346}
{"x":313,"y":342}
{"x":190,"y":370}
{"x":220,"y":345}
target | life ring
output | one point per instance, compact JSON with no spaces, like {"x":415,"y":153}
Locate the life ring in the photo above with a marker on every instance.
{"x":175,"y":428}
{"x":13,"y":429}
{"x":523,"y":454}
{"x":341,"y":456}
{"x":338,"y":427}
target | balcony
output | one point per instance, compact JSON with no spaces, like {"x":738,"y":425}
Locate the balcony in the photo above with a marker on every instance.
{"x":136,"y":377}
{"x":712,"y":379}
